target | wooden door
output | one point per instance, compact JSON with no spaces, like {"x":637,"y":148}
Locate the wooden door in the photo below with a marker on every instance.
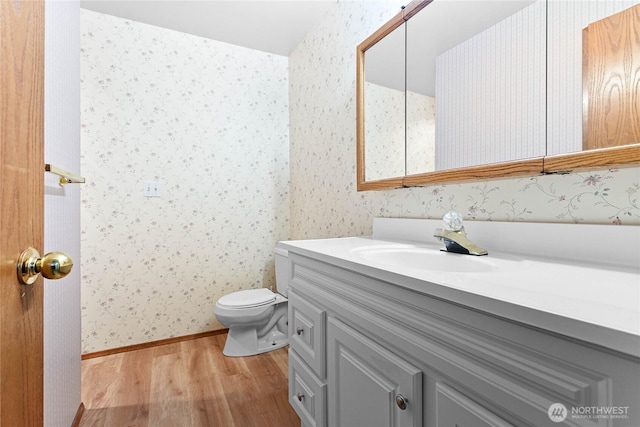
{"x":22,"y":209}
{"x":611,"y":81}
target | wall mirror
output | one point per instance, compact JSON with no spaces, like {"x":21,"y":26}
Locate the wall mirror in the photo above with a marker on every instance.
{"x":494,"y":89}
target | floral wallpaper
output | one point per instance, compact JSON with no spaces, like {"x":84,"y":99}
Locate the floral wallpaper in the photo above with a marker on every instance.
{"x":324,"y":200}
{"x":206,"y":120}
{"x":386,"y":129}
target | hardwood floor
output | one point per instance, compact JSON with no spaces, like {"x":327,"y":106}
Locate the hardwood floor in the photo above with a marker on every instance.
{"x":187,"y":384}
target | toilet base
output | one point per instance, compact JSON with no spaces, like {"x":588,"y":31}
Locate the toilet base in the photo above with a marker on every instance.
{"x":244,"y":342}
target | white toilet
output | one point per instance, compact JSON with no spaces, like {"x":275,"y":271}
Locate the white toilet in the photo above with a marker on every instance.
{"x":256,"y":318}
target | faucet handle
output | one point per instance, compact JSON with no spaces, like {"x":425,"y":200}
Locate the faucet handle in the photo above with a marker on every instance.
{"x":452,"y":221}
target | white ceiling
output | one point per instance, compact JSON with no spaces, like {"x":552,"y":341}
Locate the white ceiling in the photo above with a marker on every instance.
{"x":267,"y":25}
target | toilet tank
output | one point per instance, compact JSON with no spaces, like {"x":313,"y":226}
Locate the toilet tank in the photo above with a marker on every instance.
{"x":282,"y":271}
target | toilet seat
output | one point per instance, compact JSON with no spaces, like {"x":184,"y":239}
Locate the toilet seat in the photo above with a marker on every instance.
{"x":247,"y":298}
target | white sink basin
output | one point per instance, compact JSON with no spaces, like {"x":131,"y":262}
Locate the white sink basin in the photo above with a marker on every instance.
{"x":415,"y":257}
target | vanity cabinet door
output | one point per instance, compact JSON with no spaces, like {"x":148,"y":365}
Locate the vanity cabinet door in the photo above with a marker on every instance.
{"x":456,"y":410}
{"x":369,"y":385}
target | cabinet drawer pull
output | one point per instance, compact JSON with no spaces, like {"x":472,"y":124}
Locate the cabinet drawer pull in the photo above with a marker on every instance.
{"x":299,"y":330}
{"x":299,"y":396}
{"x":401,"y":401}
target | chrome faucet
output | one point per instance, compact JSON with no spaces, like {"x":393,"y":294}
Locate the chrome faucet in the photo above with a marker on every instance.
{"x":454,"y":237}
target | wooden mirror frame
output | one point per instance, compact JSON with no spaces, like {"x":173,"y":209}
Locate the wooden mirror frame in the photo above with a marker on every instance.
{"x":627,"y":155}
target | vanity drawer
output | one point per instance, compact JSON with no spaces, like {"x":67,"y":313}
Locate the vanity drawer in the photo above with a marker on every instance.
{"x":307,"y":394}
{"x":307,"y":323}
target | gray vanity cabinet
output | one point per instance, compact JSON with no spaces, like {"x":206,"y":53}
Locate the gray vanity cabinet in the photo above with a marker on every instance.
{"x":368,"y":352}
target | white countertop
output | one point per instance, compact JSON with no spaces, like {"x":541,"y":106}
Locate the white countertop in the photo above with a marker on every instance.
{"x":593,"y":303}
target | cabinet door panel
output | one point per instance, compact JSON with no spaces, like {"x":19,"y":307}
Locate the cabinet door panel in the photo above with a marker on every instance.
{"x":456,"y":410}
{"x":306,"y":331}
{"x":365,"y":379}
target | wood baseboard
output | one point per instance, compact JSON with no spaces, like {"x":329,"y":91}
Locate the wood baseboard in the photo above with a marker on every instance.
{"x":152,"y":344}
{"x":76,"y":420}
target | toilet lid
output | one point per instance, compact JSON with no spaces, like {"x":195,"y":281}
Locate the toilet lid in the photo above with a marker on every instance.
{"x":247,"y":298}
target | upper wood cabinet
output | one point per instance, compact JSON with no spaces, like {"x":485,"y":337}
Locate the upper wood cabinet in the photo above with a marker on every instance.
{"x":611,"y":80}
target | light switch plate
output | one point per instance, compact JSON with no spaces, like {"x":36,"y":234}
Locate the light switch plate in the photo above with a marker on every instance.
{"x":151,"y":189}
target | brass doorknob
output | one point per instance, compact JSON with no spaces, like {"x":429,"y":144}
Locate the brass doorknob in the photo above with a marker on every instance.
{"x":54,"y":265}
